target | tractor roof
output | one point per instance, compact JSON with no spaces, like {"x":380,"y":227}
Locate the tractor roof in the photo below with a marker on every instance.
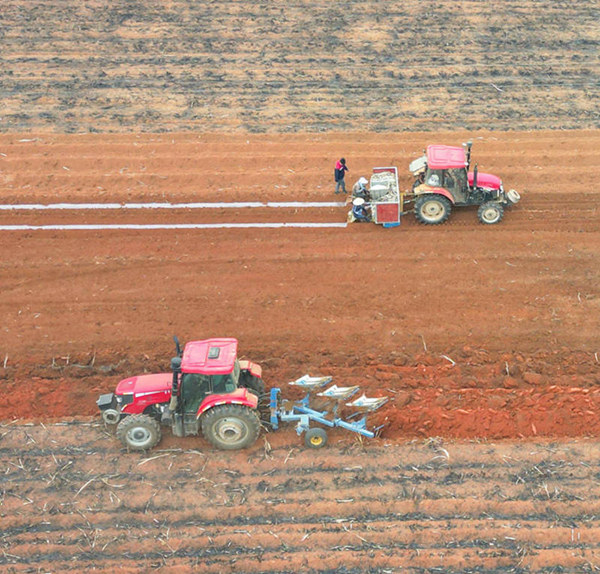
{"x":210,"y":357}
{"x":445,"y":157}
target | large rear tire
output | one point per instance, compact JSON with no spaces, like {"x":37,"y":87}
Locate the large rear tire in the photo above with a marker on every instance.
{"x":138,"y":432}
{"x":490,"y":213}
{"x":230,"y":427}
{"x":432,"y":209}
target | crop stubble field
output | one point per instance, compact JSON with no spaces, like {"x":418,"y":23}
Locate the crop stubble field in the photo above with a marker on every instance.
{"x":298,"y":66}
{"x":378,"y":507}
{"x":485,"y":339}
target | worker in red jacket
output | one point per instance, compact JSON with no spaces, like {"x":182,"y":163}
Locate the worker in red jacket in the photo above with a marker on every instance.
{"x":340,"y":170}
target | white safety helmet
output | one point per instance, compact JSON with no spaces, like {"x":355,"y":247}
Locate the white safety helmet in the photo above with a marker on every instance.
{"x":363,"y":181}
{"x":358,"y":201}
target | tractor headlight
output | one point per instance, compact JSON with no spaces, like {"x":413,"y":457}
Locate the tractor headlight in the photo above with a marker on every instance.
{"x":124,"y":399}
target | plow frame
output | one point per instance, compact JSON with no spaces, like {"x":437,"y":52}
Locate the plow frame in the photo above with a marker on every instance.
{"x":301,"y":413}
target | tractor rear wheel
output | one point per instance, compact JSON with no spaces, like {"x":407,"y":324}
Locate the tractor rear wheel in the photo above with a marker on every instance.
{"x":315,"y":437}
{"x":230,"y":427}
{"x":490,"y":213}
{"x":432,"y":209}
{"x":139,"y":432}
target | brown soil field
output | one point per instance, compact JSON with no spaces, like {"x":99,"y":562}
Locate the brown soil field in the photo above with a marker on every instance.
{"x":475,"y":333}
{"x":480,"y":331}
{"x":484,"y":338}
{"x":70,"y":501}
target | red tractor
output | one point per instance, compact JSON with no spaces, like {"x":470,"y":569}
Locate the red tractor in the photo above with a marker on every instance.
{"x":208,"y":390}
{"x":443,"y":180}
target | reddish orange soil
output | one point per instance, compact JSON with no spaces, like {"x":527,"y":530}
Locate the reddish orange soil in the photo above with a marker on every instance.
{"x":472,"y":331}
{"x":71,"y":502}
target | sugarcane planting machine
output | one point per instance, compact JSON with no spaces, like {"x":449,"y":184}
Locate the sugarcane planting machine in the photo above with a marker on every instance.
{"x":442,"y":181}
{"x":211,"y":392}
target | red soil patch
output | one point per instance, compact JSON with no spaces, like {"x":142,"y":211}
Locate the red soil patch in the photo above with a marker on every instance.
{"x":472,"y":331}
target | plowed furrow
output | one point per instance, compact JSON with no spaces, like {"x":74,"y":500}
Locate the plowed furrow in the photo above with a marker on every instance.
{"x":467,"y":505}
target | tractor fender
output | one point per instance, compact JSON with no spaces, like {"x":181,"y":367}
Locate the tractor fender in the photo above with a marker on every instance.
{"x":238,"y":397}
{"x":423,"y":189}
{"x":254,"y":368}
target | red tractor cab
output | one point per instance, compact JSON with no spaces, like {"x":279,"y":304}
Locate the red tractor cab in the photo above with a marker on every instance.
{"x":208,"y":389}
{"x":443,"y":180}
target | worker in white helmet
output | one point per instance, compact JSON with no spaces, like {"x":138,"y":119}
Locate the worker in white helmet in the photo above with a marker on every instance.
{"x":360,"y":189}
{"x":361,"y":210}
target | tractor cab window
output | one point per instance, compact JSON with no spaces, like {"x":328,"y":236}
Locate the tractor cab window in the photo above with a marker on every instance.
{"x":194,"y":387}
{"x":455,"y":181}
{"x":223,"y":384}
{"x":434,"y":177}
{"x":459,"y":176}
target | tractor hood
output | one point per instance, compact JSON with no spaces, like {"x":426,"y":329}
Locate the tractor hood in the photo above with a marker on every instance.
{"x":486,"y":180}
{"x":145,"y":384}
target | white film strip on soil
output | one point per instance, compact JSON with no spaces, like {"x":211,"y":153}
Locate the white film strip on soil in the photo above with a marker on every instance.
{"x":131,"y":206}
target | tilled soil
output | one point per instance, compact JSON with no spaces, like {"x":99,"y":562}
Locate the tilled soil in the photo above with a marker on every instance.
{"x":72,"y":501}
{"x":474,"y":333}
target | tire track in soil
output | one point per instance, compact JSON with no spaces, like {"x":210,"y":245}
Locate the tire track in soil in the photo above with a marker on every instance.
{"x":71,"y":499}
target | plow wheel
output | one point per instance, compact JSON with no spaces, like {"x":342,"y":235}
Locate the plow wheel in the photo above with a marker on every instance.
{"x":230,"y":427}
{"x":315,"y":438}
{"x":490,"y":213}
{"x":432,"y":209}
{"x":138,"y":432}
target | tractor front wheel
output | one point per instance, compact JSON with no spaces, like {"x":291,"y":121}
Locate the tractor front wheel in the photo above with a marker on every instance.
{"x":138,"y":432}
{"x":490,"y":212}
{"x":432,"y":209}
{"x":230,"y":427}
{"x":315,"y":438}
